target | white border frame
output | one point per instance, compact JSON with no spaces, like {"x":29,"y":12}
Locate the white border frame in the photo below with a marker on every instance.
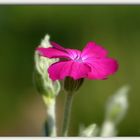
{"x":75,"y":2}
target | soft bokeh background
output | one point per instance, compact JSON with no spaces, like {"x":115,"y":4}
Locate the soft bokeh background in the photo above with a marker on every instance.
{"x":117,"y":28}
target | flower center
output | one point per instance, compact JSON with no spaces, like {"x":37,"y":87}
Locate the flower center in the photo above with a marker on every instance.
{"x":78,"y":59}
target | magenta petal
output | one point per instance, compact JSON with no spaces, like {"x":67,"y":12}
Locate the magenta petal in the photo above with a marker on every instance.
{"x":57,"y":46}
{"x":93,"y":50}
{"x":60,"y":70}
{"x":72,"y":52}
{"x":101,"y":68}
{"x":53,"y":53}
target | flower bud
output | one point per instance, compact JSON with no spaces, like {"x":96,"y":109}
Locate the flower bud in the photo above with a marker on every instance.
{"x":45,"y":86}
{"x":117,"y":105}
{"x":116,"y":109}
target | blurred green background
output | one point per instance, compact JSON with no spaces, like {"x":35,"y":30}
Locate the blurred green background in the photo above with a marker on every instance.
{"x":117,"y":28}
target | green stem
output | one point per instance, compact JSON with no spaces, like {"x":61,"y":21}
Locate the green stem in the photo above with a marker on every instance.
{"x":50,"y":124}
{"x":67,"y":110}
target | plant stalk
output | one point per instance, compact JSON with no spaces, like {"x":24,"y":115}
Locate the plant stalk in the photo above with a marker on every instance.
{"x":66,"y":116}
{"x":50,"y":125}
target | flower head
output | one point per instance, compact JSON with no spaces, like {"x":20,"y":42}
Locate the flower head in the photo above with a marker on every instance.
{"x":91,"y":63}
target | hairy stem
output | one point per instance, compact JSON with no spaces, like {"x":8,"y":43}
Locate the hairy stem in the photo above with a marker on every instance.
{"x":50,"y":125}
{"x":67,"y":110}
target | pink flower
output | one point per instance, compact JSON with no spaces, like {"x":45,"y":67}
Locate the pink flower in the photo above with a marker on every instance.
{"x":91,"y":63}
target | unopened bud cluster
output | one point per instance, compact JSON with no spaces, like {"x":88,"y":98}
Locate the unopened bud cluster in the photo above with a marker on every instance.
{"x":48,"y":88}
{"x":116,"y":109}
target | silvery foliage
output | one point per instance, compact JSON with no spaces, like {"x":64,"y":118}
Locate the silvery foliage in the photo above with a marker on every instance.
{"x":116,"y":109}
